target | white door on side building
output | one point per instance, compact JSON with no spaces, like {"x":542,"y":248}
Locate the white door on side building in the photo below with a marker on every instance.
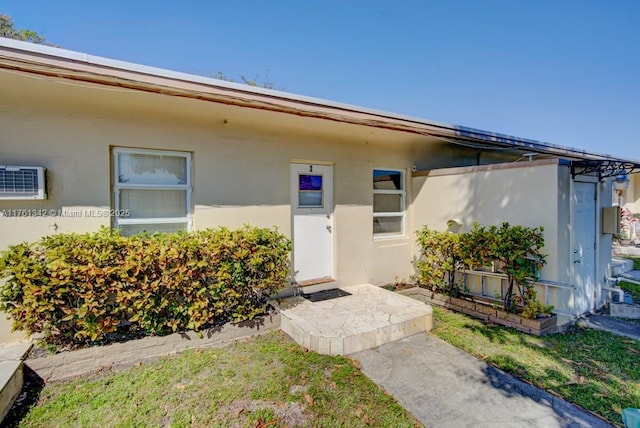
{"x":312,"y":212}
{"x":584,"y":243}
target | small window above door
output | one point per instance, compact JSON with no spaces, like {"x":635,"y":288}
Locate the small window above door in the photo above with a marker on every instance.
{"x":310,"y":191}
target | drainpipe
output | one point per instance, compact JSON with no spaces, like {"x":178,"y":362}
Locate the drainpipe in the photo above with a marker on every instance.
{"x":618,"y":290}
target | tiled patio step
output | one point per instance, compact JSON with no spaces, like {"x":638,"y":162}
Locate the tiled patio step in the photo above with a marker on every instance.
{"x":371,"y":316}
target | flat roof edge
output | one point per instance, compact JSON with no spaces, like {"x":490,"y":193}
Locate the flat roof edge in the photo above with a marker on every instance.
{"x":89,"y":59}
{"x":439,"y":172}
{"x":488,"y":137}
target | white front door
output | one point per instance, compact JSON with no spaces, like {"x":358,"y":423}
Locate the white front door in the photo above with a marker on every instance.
{"x":584,"y":241}
{"x":312,"y":209}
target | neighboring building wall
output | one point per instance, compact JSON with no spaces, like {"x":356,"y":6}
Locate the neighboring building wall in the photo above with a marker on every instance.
{"x":632,"y":195}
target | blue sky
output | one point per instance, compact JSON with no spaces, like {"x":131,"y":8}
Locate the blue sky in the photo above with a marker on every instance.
{"x":565,"y":72}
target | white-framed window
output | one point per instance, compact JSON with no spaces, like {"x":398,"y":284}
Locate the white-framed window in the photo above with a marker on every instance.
{"x":388,"y":202}
{"x":152,"y":190}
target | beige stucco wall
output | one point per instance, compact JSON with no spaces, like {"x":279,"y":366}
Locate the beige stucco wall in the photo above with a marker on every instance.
{"x":529,"y":194}
{"x":519,"y":195}
{"x":632,"y":194}
{"x":241,"y":173}
{"x":241,"y":165}
{"x":239,"y":177}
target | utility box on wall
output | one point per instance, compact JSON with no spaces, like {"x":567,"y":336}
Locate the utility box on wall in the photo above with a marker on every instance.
{"x":611,"y":220}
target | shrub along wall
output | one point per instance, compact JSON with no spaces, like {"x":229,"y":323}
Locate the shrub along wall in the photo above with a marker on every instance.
{"x":517,"y":249}
{"x":79,"y":288}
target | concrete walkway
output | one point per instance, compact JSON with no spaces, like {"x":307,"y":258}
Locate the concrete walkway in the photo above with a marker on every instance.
{"x":443,"y":386}
{"x":612,"y":325}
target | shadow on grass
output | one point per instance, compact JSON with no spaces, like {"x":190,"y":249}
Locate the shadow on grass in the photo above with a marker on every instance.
{"x":499,"y":334}
{"x":255,"y":323}
{"x":593,"y":369}
{"x":28,"y":397}
{"x":491,"y":332}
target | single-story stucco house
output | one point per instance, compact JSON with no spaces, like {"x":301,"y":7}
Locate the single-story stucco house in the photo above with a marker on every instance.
{"x":92,"y":137}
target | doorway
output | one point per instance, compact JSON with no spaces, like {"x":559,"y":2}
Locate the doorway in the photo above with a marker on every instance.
{"x":312,"y":222}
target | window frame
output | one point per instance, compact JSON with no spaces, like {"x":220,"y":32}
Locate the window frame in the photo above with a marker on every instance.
{"x":402,"y":214}
{"x":117,"y":187}
{"x":321,"y":192}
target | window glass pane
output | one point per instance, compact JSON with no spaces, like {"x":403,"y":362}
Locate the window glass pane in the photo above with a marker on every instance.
{"x":132,"y":229}
{"x":387,"y":225}
{"x":135,"y":168}
{"x":385,"y":203}
{"x":387,"y":180}
{"x":154,"y":203}
{"x":310,"y":182}
{"x":310,"y":199}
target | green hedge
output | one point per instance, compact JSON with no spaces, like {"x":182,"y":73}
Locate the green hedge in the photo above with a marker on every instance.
{"x":80,"y":288}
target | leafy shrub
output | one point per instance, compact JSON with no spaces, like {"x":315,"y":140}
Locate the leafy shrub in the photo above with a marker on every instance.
{"x":516,"y":249}
{"x":79,"y":288}
{"x":440,"y":260}
{"x":534,"y":309}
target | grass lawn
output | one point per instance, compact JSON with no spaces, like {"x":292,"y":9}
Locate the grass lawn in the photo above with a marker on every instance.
{"x":594,"y":369}
{"x":632,"y":289}
{"x":266,"y":381}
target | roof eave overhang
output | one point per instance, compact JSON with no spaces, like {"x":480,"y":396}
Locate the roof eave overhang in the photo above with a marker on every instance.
{"x":58,"y":63}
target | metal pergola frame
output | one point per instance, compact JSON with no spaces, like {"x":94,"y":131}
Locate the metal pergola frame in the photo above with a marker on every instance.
{"x":603,"y":168}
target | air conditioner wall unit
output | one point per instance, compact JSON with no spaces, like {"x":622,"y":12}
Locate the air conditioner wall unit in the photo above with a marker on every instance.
{"x":22,"y":182}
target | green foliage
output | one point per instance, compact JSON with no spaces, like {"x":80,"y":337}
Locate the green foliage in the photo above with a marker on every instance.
{"x":440,"y":260}
{"x":632,"y":289}
{"x":8,"y":30}
{"x":79,"y":288}
{"x":534,"y":309}
{"x":636,"y":262}
{"x":515,"y":249}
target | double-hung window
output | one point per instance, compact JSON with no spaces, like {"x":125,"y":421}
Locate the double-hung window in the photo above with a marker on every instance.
{"x":152,"y":190}
{"x":388,"y":202}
